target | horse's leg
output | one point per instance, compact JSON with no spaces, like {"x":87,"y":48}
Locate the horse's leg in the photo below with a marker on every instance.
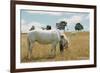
{"x":30,"y":48}
{"x":53,"y":50}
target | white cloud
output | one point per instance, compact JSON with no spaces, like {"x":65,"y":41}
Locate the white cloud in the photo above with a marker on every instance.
{"x":25,"y":27}
{"x":23,"y":21}
{"x":36,"y":24}
{"x":72,"y":20}
{"x":46,"y":12}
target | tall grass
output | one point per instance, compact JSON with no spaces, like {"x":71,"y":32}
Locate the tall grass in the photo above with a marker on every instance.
{"x":78,"y":49}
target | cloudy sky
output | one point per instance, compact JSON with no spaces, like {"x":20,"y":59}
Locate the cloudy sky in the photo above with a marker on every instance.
{"x":42,"y":18}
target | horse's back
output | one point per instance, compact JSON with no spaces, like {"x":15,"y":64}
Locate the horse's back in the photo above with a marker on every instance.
{"x":44,"y":36}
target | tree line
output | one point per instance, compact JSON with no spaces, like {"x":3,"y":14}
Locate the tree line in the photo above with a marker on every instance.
{"x":62,"y":24}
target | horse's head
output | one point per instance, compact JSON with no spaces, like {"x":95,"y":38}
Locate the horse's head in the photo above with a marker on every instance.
{"x":63,"y":42}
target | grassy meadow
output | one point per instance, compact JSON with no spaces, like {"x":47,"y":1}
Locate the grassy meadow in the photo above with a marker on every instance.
{"x":78,"y":49}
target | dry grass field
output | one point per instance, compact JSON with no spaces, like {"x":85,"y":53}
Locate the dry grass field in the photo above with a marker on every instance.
{"x":78,"y":49}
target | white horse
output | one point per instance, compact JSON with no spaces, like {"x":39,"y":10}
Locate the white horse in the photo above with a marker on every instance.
{"x":52,"y":37}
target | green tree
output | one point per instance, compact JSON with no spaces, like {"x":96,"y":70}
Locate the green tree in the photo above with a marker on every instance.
{"x":61,"y":25}
{"x":79,"y":27}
